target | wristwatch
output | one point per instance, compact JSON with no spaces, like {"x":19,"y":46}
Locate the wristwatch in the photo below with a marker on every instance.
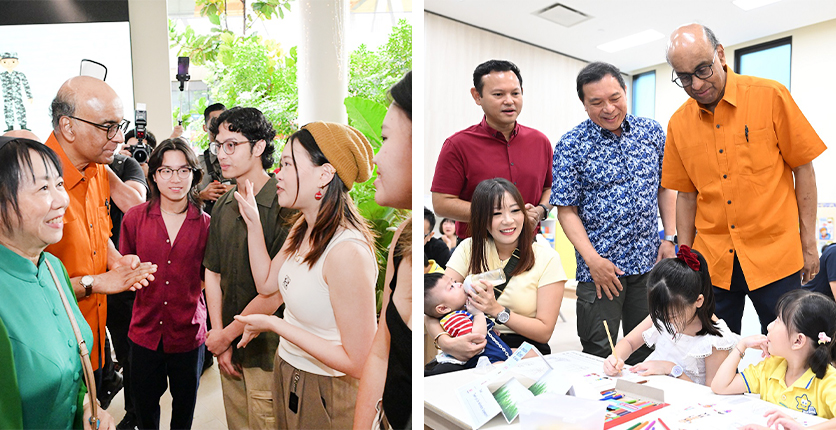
{"x":545,"y":212}
{"x":503,"y":316}
{"x":671,"y":238}
{"x":676,"y":371}
{"x":87,"y":283}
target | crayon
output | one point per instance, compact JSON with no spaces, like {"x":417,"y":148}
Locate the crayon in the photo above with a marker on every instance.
{"x":605,"y":392}
{"x":635,"y":426}
{"x":663,"y":424}
{"x":650,"y":426}
{"x":631,"y":401}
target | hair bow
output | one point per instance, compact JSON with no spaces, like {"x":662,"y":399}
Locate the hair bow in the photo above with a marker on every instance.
{"x":823,"y":338}
{"x":685,"y":254}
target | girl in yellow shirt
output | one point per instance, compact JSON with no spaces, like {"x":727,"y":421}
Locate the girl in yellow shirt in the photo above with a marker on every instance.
{"x":796,"y":372}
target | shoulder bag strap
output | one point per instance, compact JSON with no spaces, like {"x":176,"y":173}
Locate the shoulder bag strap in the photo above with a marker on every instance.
{"x":82,"y":350}
{"x":509,"y":267}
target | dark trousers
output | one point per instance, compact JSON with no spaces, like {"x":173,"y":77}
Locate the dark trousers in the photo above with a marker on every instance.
{"x":628,"y":310}
{"x":119,"y":310}
{"x":730,"y":302}
{"x":150,"y":371}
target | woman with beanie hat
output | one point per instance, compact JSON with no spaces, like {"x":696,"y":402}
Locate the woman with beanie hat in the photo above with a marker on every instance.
{"x":325,"y":275}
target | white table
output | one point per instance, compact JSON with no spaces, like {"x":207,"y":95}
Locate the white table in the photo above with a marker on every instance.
{"x":443,"y":409}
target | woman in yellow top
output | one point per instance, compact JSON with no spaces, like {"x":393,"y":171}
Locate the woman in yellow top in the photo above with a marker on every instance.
{"x":529,"y":305}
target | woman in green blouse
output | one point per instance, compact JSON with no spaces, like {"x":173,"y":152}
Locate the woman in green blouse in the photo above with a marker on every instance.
{"x":44,"y":349}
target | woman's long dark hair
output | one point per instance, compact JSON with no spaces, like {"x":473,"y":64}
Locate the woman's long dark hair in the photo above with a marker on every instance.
{"x":809,"y":313}
{"x":487,"y":198}
{"x":155,"y":160}
{"x":672,"y":286}
{"x":336,"y":209}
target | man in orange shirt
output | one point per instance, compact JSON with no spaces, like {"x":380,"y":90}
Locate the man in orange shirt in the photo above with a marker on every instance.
{"x":740,"y":154}
{"x":87,"y":126}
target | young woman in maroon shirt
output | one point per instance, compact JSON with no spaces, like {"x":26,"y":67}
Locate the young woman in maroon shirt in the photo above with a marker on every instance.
{"x":168,"y":327}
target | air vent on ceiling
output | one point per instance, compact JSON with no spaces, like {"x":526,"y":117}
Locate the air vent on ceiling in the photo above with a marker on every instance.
{"x":563,"y":15}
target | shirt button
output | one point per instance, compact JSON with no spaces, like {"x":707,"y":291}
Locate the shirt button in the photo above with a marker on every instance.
{"x":169,"y":261}
{"x":165,"y":303}
{"x":718,"y":125}
{"x":94,"y":252}
{"x":91,"y":225}
{"x":783,"y":397}
{"x":166,"y":241}
{"x":512,"y":164}
{"x":75,"y":377}
{"x":73,"y":409}
{"x":161,"y":323}
{"x":732,"y":226}
{"x":729,"y":202}
{"x":721,"y":151}
{"x":70,"y":343}
{"x":731,"y":251}
{"x":166,"y":282}
{"x":55,"y":311}
{"x":725,"y":176}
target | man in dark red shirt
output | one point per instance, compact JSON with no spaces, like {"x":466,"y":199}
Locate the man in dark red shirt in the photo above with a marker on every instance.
{"x":498,"y":147}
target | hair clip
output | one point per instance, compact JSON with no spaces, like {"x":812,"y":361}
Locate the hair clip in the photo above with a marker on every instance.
{"x":823,"y":338}
{"x":685,"y":254}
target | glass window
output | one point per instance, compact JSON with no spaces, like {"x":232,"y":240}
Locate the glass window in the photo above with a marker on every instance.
{"x":644,"y":94}
{"x":770,"y":60}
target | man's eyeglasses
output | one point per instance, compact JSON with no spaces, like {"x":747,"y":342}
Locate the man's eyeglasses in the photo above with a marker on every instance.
{"x":111,"y":129}
{"x":182,"y":173}
{"x":228,"y":146}
{"x":686,"y":79}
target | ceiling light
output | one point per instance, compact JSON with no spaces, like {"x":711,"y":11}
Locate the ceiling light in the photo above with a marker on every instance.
{"x":562,"y":15}
{"x":752,"y":4}
{"x":631,"y":41}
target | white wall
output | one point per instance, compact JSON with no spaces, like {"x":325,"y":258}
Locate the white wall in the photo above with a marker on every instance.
{"x":453,"y":50}
{"x":149,"y":51}
{"x":813,"y":63}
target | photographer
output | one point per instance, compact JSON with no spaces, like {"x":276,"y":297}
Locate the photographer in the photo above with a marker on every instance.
{"x":130,"y":145}
{"x":213,"y":184}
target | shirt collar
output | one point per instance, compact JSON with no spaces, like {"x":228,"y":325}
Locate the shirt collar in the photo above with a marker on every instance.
{"x":625,"y":127}
{"x":71,"y":175}
{"x":264,"y":196}
{"x":780,"y":374}
{"x":493,"y":133}
{"x":191,"y":211}
{"x":19,"y":267}
{"x":729,"y":94}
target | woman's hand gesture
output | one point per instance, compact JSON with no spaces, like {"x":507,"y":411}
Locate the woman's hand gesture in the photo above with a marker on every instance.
{"x":246,"y":203}
{"x":255,"y":324}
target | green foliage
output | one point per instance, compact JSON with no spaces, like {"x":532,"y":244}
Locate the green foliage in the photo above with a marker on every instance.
{"x":214,"y":10}
{"x":250,"y":70}
{"x":370,"y":71}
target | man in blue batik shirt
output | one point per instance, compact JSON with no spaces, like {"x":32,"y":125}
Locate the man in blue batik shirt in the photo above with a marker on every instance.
{"x":607,"y":174}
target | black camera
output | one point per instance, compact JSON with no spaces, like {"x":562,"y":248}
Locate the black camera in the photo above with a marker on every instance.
{"x":140,"y":151}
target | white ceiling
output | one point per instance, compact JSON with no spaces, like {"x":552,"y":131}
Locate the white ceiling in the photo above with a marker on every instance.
{"x":613,"y":19}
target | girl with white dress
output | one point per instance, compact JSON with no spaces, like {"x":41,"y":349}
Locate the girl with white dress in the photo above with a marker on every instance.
{"x":690,"y":341}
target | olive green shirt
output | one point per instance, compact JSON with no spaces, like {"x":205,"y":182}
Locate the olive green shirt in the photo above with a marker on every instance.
{"x":227,"y":254}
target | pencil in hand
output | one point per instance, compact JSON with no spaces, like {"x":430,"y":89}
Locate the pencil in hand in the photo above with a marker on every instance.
{"x":612,"y":346}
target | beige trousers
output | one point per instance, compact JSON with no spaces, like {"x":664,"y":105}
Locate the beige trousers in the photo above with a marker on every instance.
{"x":248,"y":401}
{"x":324,"y":402}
